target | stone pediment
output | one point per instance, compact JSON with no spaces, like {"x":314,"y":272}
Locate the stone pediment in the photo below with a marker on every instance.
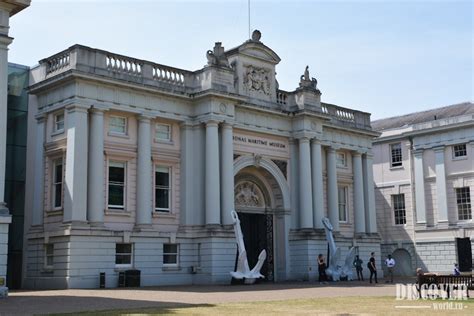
{"x":257,"y":50}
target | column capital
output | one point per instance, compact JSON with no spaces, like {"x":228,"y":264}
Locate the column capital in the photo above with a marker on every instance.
{"x":439,"y":148}
{"x":95,"y":109}
{"x":303,"y":140}
{"x":212,"y":123}
{"x":418,"y":152}
{"x":5,"y":40}
{"x":77,"y":108}
{"x":331,"y":149}
{"x":227,"y":125}
{"x":315,"y":141}
{"x":145,"y":118}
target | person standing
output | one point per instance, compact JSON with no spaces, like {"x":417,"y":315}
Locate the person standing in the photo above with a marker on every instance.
{"x":322,"y":269}
{"x":358,"y":265}
{"x":372,"y":267}
{"x":456,"y":271}
{"x":390,"y":263}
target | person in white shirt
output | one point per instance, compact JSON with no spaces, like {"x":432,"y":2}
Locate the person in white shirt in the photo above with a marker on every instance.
{"x":390,"y":263}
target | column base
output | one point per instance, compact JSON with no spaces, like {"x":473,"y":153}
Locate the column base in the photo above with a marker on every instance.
{"x":143,"y":227}
{"x":96,"y":224}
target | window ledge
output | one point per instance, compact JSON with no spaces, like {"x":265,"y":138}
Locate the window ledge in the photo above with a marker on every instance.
{"x":171,"y":268}
{"x":397,"y":167}
{"x":460,"y":158}
{"x":115,"y":134}
{"x":59,"y":132}
{"x":54,"y":212}
{"x":118,"y":213}
{"x":165,"y":142}
{"x":123,"y":268}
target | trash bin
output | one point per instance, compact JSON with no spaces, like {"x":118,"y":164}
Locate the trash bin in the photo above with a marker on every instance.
{"x":132,"y":278}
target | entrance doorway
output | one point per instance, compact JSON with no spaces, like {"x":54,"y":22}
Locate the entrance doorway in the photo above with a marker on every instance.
{"x":464,"y":254}
{"x":257,"y":230}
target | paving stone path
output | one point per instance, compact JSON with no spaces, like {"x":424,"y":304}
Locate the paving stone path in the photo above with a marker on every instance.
{"x":62,"y":301}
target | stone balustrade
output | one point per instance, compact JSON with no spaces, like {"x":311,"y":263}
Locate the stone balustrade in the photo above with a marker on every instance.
{"x":103,"y":63}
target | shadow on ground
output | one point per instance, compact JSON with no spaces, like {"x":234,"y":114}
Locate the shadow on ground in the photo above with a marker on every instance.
{"x":19,"y":305}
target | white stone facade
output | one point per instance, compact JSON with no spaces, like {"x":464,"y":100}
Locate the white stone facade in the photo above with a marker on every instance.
{"x":183,"y":149}
{"x":437,"y":185}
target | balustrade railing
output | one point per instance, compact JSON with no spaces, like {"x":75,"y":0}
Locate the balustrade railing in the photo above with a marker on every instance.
{"x":282,"y":97}
{"x":121,"y":64}
{"x":168,"y":74}
{"x":58,"y":62}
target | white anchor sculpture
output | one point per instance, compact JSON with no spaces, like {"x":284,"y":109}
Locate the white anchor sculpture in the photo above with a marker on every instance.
{"x":334,"y":270}
{"x":243,"y":270}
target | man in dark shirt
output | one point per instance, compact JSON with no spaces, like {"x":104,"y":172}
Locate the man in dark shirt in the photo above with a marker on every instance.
{"x":358,"y":265}
{"x":372,"y":267}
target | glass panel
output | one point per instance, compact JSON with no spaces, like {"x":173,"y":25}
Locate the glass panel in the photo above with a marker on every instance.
{"x":162,"y":198}
{"x":162,"y":178}
{"x":58,"y":189}
{"x":163,"y":131}
{"x":116,"y":173}
{"x":123,"y":248}
{"x":170,"y":259}
{"x":116,"y":195}
{"x":123,"y":259}
{"x":58,"y":172}
{"x":170,"y":248}
{"x":117,"y":124}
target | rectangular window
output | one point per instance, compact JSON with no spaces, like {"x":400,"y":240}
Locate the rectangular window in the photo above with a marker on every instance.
{"x":59,"y":122}
{"x":459,"y":151}
{"x":123,"y":255}
{"x":118,"y":125}
{"x":396,"y":155}
{"x":342,"y":198}
{"x":398,"y":201}
{"x":116,"y":184}
{"x":463,"y":199}
{"x":341,"y":159}
{"x":57,"y":183}
{"x":170,"y":254}
{"x":162,"y":189}
{"x":48,"y":256}
{"x":163,"y":132}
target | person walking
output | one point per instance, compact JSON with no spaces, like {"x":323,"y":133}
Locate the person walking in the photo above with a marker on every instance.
{"x":358,"y":265}
{"x":322,"y":269}
{"x":390,"y":263}
{"x":372,"y":267}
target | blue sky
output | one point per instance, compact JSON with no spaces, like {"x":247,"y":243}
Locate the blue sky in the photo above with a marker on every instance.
{"x":384,"y":57}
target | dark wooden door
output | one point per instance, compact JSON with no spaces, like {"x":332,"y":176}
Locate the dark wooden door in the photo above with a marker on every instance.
{"x":464,"y":254}
{"x":257,"y":230}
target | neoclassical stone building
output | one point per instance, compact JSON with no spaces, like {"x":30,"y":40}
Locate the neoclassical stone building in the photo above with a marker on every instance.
{"x":134,"y":164}
{"x":424,"y":177}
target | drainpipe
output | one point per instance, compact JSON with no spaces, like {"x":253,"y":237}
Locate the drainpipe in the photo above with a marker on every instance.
{"x":413,"y":197}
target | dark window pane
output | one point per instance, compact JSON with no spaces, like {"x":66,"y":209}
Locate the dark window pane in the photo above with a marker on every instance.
{"x":162,"y":198}
{"x":116,"y":195}
{"x":58,"y":189}
{"x":162,"y":179}
{"x":170,"y":248}
{"x":123,"y":259}
{"x":58,"y":173}
{"x":116,"y":174}
{"x":123,"y":248}
{"x":170,"y":259}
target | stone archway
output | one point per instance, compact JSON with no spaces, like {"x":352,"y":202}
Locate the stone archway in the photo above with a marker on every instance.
{"x":403,"y":266}
{"x":261,"y":197}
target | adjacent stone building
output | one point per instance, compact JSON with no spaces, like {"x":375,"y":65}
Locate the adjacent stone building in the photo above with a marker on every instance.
{"x":424,"y":177}
{"x":137,"y":165}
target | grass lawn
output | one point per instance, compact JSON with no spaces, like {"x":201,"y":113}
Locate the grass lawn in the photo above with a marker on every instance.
{"x":338,"y":305}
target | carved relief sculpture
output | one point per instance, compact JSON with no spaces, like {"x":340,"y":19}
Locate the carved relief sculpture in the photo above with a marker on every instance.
{"x":334,"y":270}
{"x":247,"y":194}
{"x":257,"y":79}
{"x":243,"y":271}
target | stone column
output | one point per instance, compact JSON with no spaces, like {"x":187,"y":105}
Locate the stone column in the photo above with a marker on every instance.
{"x":187,"y":175}
{"x":317,"y":182}
{"x":4,"y":42}
{"x":369,"y":194}
{"x":227,"y":174}
{"x":359,"y":209}
{"x":144,"y":173}
{"x":333,"y":203}
{"x":38,"y":193}
{"x":306,"y":202}
{"x":212,"y":174}
{"x":441,"y":185}
{"x":75,"y":194}
{"x":95,"y":188}
{"x":419,"y":187}
{"x":294,"y":184}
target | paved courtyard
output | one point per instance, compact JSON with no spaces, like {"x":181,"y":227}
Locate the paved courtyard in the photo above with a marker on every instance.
{"x":60,"y":301}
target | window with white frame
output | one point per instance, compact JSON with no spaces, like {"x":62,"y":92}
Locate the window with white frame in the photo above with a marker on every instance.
{"x":342,"y":200}
{"x":463,"y":199}
{"x":123,"y":255}
{"x":57,"y":184}
{"x":398,"y":202}
{"x":341,"y":159}
{"x":170,"y":254}
{"x":116,"y":185}
{"x":48,"y":256}
{"x":459,"y":151}
{"x":59,"y":122}
{"x":396,"y":155}
{"x":118,"y":125}
{"x":163,"y":132}
{"x":162,"y":189}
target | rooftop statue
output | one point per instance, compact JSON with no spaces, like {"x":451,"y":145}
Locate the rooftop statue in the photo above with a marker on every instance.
{"x":217,"y":57}
{"x":243,"y":270}
{"x":305,"y":81}
{"x":334,"y":270}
